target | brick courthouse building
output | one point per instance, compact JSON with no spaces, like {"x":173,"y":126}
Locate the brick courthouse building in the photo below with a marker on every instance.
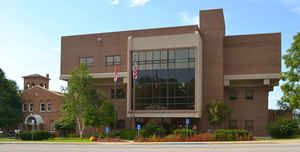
{"x":40,"y":105}
{"x":180,"y":70}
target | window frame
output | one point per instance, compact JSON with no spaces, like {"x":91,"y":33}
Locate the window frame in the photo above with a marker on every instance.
{"x":114,"y":61}
{"x":249,"y":91}
{"x":41,"y":107}
{"x":118,"y":97}
{"x":233,"y":94}
{"x":48,"y":107}
{"x":31,"y":107}
{"x":25,"y":108}
{"x":248,"y":126}
{"x":85,"y":61}
{"x":230,"y":126}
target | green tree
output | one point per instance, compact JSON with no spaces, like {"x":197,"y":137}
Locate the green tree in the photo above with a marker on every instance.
{"x":218,"y":112}
{"x":10,"y":103}
{"x":107,"y":113}
{"x":291,"y":87}
{"x":82,"y":101}
{"x":65,"y":125}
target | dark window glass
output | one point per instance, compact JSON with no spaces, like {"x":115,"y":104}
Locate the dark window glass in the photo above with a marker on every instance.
{"x":249,"y":93}
{"x":31,"y":108}
{"x":112,"y":60}
{"x":88,"y":61}
{"x":42,"y":108}
{"x":232,"y":124}
{"x":166,"y":82}
{"x":232,"y":94}
{"x":121,"y":124}
{"x":249,"y":124}
{"x":119,"y":94}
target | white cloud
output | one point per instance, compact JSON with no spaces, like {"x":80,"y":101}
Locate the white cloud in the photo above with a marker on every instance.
{"x":134,"y":3}
{"x":296,"y":10}
{"x":292,"y":5}
{"x":115,"y":2}
{"x":56,"y":49}
{"x":188,"y":19}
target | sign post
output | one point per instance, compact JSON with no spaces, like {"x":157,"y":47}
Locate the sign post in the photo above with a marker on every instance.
{"x":106,"y":130}
{"x":138,"y":128}
{"x":32,"y":125}
{"x":187,"y":121}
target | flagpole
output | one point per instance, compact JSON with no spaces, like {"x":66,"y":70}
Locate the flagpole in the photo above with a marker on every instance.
{"x":115,"y":82}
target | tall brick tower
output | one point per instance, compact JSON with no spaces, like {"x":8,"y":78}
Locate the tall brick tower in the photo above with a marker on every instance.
{"x":33,"y":80}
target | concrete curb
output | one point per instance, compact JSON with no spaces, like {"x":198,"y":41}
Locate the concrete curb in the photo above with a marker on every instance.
{"x":159,"y":143}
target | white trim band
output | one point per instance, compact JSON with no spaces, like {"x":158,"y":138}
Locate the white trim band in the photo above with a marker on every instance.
{"x":251,"y":76}
{"x":97,"y":75}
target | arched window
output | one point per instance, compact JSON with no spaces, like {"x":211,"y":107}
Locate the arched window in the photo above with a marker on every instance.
{"x":42,"y":85}
{"x":27,"y":85}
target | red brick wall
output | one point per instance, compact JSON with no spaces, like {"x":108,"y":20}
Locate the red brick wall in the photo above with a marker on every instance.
{"x":252,"y":54}
{"x":114,"y":43}
{"x":35,"y":96}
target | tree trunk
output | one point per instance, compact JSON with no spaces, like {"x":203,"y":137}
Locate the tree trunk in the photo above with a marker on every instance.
{"x":81,"y":127}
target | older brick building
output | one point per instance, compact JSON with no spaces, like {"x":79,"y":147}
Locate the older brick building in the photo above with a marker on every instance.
{"x":180,"y":70}
{"x":40,"y":105}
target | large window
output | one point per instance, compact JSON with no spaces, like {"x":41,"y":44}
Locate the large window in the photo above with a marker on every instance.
{"x":112,"y":60}
{"x":88,"y":61}
{"x":232,"y":124}
{"x":119,"y":93}
{"x":249,"y":124}
{"x":166,"y":79}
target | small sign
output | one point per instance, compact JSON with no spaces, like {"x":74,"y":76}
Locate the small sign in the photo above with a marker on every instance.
{"x":138,"y":126}
{"x":187,"y":121}
{"x":106,"y":129}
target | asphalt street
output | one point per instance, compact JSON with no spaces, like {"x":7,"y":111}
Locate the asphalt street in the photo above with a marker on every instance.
{"x":170,"y":147}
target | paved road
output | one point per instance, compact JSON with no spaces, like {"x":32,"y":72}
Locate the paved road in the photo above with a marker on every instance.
{"x":292,"y":147}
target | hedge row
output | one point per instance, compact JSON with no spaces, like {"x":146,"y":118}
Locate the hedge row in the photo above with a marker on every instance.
{"x":35,"y":135}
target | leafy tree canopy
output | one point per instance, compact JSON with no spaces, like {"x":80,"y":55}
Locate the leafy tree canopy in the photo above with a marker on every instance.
{"x":10,"y":103}
{"x":107,"y":113}
{"x":82,"y":101}
{"x":218,"y":112}
{"x":291,"y":88}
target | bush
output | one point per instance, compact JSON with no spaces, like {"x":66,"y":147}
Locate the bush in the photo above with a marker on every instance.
{"x":152,"y":129}
{"x":127,"y":134}
{"x":172,"y":138}
{"x":232,"y":134}
{"x":35,"y":135}
{"x":202,"y":137}
{"x":184,"y":132}
{"x":72,"y":135}
{"x":108,"y":135}
{"x":160,"y":132}
{"x":283,"y":128}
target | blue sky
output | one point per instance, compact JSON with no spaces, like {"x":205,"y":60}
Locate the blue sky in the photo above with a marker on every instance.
{"x":30,"y":30}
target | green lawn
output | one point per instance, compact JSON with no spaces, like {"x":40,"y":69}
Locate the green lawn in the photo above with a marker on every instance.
{"x":269,"y":138}
{"x":57,"y":139}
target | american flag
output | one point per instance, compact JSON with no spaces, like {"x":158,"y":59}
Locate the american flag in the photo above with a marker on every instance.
{"x":135,"y":72}
{"x":116,"y":75}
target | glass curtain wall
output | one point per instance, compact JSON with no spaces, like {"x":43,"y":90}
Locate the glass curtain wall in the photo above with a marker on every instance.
{"x":166,"y":79}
